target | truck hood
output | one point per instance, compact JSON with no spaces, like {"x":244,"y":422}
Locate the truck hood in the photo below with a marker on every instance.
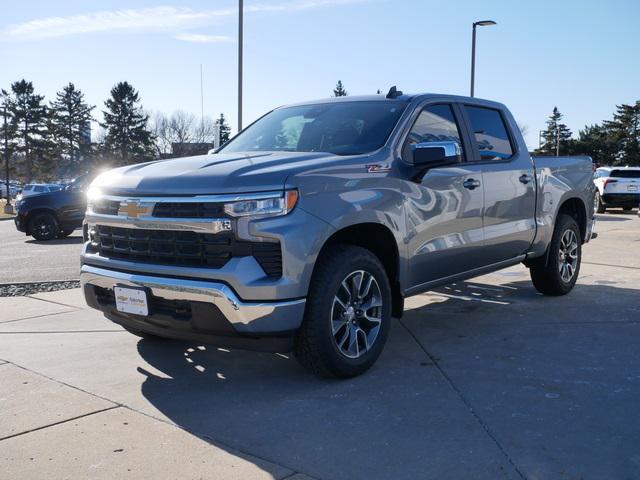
{"x":210,"y":174}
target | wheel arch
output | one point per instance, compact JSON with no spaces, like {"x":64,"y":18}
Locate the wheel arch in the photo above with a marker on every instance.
{"x":378,"y":239}
{"x":576,"y":208}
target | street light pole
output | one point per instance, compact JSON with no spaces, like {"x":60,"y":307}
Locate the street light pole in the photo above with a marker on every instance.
{"x":240,"y":27}
{"x":482,"y":23}
{"x":7,"y":208}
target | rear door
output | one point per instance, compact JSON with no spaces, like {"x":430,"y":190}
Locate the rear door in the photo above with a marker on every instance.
{"x":508,"y":180}
{"x":444,"y":204}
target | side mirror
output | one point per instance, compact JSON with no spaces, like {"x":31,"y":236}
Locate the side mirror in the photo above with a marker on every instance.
{"x":436,"y":153}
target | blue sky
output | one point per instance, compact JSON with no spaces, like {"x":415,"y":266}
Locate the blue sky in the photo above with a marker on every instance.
{"x":582,"y":56}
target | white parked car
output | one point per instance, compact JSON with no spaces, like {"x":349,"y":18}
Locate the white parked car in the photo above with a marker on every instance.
{"x":35,"y":188}
{"x":617,"y":187}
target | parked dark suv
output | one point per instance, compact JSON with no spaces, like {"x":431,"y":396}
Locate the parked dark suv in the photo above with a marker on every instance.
{"x":46,"y":216}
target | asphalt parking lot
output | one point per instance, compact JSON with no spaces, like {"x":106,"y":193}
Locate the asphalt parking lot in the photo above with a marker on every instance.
{"x":23,"y":259}
{"x":481,"y":379}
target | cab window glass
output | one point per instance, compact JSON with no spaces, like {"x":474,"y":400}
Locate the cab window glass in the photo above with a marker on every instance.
{"x":435,"y":123}
{"x":490,"y":133}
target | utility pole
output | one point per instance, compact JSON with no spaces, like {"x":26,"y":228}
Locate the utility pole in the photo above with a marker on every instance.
{"x":201,"y":104}
{"x":240,"y":21}
{"x":8,"y":208}
{"x":557,"y":139}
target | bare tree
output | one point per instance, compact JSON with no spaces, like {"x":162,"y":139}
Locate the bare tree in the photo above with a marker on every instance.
{"x":204,"y":131}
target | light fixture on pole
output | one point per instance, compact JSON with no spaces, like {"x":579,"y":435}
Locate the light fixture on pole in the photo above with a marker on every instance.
{"x":481,"y":23}
{"x":240,"y":27}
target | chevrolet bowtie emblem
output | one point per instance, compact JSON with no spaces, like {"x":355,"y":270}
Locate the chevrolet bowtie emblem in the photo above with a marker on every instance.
{"x":133,"y":209}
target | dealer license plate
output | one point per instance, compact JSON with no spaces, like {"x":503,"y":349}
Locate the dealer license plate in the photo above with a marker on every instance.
{"x":632,"y":188}
{"x":131,"y":300}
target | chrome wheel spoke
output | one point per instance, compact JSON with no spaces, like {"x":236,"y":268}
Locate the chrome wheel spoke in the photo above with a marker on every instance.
{"x":356,"y":314}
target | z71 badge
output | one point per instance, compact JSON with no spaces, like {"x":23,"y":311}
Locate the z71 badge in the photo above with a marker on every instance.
{"x":378,"y":167}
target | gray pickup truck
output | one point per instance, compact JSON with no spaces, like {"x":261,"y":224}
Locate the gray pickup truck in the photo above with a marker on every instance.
{"x":308,"y":229}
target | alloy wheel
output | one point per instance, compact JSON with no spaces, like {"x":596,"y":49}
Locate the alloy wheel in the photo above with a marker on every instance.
{"x":568,"y":255}
{"x":356,"y":314}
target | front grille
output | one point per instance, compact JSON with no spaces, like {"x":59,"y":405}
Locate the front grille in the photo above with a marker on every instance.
{"x":188,"y":210}
{"x":187,"y":249}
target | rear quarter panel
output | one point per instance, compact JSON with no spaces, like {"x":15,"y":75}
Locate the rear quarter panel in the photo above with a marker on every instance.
{"x":560,"y":179}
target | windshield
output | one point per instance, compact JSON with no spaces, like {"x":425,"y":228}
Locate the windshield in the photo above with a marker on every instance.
{"x":346,"y":128}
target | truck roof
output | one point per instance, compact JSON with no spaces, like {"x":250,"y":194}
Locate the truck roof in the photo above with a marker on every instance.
{"x":402,"y":98}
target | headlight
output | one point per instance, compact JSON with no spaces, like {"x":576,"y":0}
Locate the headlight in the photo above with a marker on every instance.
{"x":263,"y":206}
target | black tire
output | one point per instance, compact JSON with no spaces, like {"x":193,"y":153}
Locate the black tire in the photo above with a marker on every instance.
{"x":316,"y":347}
{"x":598,"y":205}
{"x":65,"y":233}
{"x":548,"y":278}
{"x":44,"y":226}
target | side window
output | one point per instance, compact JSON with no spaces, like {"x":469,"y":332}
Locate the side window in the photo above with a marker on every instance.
{"x":490,"y":133}
{"x":434,"y":124}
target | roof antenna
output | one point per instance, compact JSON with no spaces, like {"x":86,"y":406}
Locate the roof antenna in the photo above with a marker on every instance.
{"x":394,"y":92}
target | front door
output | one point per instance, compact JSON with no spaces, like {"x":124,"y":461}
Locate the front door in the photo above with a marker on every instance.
{"x":445,"y":206}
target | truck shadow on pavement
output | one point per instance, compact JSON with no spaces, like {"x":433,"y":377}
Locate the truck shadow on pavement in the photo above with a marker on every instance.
{"x":70,"y":240}
{"x":476,"y":379}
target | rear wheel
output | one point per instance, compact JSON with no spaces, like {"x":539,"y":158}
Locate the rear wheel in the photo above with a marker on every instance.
{"x":598,"y":206}
{"x":559,"y":274}
{"x":44,"y":226}
{"x":348,"y":313}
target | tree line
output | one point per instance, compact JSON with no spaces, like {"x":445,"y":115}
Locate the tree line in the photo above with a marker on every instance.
{"x":612,"y":142}
{"x":53,"y":140}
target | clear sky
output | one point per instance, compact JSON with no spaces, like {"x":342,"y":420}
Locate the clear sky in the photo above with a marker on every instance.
{"x":583,"y":56}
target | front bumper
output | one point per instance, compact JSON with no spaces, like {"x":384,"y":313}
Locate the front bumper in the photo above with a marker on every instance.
{"x":21,"y":222}
{"x":195,"y":310}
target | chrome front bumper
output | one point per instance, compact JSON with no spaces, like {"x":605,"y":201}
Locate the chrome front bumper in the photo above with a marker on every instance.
{"x":245,"y":317}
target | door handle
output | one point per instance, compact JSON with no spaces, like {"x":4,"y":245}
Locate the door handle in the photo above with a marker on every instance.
{"x":471,"y":183}
{"x":525,"y":178}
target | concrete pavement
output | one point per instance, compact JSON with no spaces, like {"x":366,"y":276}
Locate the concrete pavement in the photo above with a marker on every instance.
{"x":481,"y":379}
{"x":23,"y":259}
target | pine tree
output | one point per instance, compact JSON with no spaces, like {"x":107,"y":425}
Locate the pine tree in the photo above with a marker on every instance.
{"x":225,"y":129}
{"x":127,"y":137}
{"x":596,"y":142}
{"x":625,"y":130}
{"x":556,"y":136}
{"x":339,"y":91}
{"x":29,"y":124}
{"x":71,"y":119}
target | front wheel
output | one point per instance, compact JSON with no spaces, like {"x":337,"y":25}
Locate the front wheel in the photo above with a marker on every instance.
{"x":559,"y":274}
{"x":65,"y":233}
{"x":348,"y":313}
{"x":44,"y":227}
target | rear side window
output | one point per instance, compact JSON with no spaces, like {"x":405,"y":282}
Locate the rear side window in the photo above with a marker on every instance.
{"x":435,"y":123}
{"x":625,"y":173}
{"x":490,"y":133}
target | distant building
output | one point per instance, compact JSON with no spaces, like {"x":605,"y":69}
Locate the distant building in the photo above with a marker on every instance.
{"x":189,"y":149}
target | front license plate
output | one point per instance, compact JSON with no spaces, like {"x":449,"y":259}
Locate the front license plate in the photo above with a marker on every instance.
{"x":632,"y":188}
{"x":131,"y":300}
